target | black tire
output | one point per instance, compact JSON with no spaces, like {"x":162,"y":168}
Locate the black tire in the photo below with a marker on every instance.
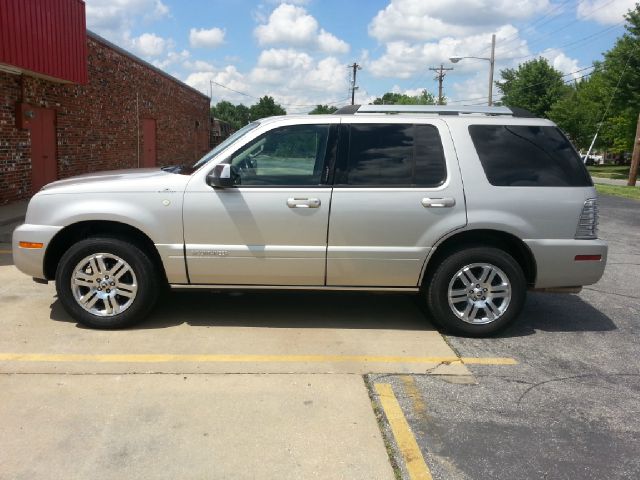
{"x":146,"y":275}
{"x":438,"y":288}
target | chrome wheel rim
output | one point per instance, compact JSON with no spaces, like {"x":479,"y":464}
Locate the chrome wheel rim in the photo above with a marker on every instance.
{"x":104,"y":284}
{"x":479,"y":293}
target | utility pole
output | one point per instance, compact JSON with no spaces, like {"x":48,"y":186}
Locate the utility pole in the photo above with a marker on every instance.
{"x":493,"y":62}
{"x":355,"y":67}
{"x":440,"y":77}
{"x":635,"y":158}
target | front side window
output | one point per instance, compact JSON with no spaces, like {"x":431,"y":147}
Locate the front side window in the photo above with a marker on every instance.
{"x":524,"y":156}
{"x":394,"y":155}
{"x":285,"y":156}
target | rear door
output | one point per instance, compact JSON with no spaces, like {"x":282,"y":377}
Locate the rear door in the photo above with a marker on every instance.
{"x":397,"y":190}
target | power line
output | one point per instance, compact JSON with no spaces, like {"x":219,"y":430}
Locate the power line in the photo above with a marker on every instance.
{"x":542,"y":35}
{"x":536,"y":22}
{"x":580,"y":41}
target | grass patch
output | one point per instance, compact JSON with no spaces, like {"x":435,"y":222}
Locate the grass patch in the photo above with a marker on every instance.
{"x":620,"y":172}
{"x":619,"y":191}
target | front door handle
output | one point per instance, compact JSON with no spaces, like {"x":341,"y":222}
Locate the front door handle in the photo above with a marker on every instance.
{"x":438,"y":202}
{"x":295,"y":202}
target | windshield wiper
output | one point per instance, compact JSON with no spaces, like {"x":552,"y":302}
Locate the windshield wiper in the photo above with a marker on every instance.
{"x":173,"y":168}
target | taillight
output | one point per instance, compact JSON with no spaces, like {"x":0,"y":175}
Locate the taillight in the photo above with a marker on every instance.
{"x":588,"y":221}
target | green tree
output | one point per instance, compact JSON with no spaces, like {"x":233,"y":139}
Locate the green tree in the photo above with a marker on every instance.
{"x":236,"y":115}
{"x":323,"y":109}
{"x":621,"y":68}
{"x":391,"y":98}
{"x":580,"y":110}
{"x":266,"y":107}
{"x":534,"y":85}
{"x":586,"y":105}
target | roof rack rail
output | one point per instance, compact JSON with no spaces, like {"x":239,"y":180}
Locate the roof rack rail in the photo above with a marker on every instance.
{"x":434,"y":110}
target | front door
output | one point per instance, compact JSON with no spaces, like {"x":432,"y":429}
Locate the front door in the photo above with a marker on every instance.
{"x":44,"y":164}
{"x":397,"y":192}
{"x":271,"y":227}
{"x":148,"y":142}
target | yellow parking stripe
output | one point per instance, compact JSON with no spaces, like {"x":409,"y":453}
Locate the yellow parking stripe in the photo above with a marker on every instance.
{"x":411,"y":389}
{"x":413,"y":459}
{"x":6,"y":251}
{"x":222,"y":358}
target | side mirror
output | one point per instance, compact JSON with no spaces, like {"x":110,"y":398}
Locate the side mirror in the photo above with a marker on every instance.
{"x":220,"y":177}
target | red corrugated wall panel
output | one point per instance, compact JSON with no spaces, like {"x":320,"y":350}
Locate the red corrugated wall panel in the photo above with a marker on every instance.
{"x":48,"y":37}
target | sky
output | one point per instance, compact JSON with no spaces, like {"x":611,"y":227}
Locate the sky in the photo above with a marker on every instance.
{"x":298,"y":51}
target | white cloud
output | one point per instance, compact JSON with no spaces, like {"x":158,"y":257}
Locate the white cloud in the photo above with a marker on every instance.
{"x":419,"y":20}
{"x":284,"y":59}
{"x":329,"y":43}
{"x":403,"y":59}
{"x":198,"y":66}
{"x":411,"y":92}
{"x":172,"y":58}
{"x":114,"y":19}
{"x":562,"y":62}
{"x":148,"y":45}
{"x":290,"y":25}
{"x":295,"y":79}
{"x":210,"y":38}
{"x":474,"y":90}
{"x":604,"y":11}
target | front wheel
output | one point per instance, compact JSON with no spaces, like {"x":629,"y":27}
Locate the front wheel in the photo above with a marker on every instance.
{"x":107,"y":283}
{"x":477,"y":291}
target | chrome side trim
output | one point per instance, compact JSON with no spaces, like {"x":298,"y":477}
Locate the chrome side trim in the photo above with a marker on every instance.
{"x":177,"y":286}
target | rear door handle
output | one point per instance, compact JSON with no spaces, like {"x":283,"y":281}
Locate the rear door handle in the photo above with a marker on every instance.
{"x":438,"y":202}
{"x":295,"y":202}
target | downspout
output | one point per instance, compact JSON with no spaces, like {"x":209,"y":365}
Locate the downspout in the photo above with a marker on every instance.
{"x":137,"y":130}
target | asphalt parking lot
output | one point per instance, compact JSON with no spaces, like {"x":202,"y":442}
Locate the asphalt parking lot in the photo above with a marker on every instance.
{"x":300,"y":385}
{"x":571,"y":407}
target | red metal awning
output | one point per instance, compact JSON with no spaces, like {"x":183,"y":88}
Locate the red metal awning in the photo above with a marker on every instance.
{"x":45,"y":38}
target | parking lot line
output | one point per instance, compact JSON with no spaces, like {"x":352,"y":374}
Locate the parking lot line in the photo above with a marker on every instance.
{"x":414,"y":461}
{"x":411,"y":389}
{"x":223,"y":358}
{"x":5,"y":251}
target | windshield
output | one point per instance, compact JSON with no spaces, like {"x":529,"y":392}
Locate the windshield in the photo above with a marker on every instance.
{"x":235,"y":136}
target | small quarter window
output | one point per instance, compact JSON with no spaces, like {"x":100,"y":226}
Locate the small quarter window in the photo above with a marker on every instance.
{"x":528,"y":156}
{"x":395,"y":155}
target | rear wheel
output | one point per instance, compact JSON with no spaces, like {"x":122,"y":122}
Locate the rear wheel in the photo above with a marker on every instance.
{"x":107,"y":283}
{"x":476,"y":291}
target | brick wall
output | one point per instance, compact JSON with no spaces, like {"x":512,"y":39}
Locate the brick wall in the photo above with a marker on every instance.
{"x":96,"y":124}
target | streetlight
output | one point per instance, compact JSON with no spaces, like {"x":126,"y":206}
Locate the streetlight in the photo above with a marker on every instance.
{"x":491,"y":60}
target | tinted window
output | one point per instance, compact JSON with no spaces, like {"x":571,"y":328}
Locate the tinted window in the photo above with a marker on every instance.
{"x":522,"y":156}
{"x":395,"y":155}
{"x":284,"y":156}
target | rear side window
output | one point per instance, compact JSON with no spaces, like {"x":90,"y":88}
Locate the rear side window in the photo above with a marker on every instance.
{"x":394,"y":155}
{"x":528,"y":156}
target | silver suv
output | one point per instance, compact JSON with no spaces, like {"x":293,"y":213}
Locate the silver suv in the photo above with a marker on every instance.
{"x":469,"y":207}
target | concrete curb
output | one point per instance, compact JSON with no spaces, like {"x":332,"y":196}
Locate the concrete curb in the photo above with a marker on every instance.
{"x":611,"y":181}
